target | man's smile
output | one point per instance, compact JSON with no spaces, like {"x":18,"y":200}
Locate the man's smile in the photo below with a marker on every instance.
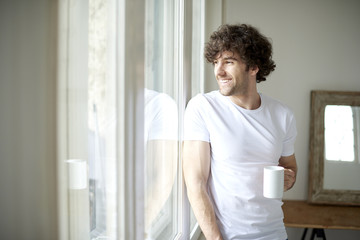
{"x":225,"y":82}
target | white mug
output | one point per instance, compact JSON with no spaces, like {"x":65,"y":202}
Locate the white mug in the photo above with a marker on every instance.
{"x":273,"y":182}
{"x":77,"y":174}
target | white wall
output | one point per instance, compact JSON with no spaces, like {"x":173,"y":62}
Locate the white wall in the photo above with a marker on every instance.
{"x":316,"y":47}
{"x":27,"y":120}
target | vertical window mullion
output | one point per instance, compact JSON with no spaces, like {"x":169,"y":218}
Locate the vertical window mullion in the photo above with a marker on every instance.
{"x":73,"y":155}
{"x":184,"y":19}
{"x":130,"y":120}
{"x":179,"y":21}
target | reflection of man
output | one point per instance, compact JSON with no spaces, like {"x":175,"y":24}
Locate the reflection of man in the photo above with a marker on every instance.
{"x":161,"y":134}
{"x":231,"y":134}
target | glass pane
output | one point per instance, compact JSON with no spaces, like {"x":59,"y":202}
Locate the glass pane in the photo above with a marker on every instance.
{"x":197,"y":64}
{"x":197,"y":56}
{"x":101,"y":123}
{"x":339,"y":133}
{"x":161,"y":123}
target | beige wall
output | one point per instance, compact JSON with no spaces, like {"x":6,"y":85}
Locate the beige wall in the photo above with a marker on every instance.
{"x":27,"y":120}
{"x":316,"y":47}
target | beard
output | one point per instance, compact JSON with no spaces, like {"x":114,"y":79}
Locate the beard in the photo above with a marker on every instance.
{"x":227,"y":91}
{"x":237,"y":89}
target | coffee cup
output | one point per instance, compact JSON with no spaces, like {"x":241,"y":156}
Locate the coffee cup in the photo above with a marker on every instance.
{"x":273,"y":182}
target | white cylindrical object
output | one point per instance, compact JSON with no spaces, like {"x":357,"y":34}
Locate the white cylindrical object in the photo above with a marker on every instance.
{"x":77,"y":174}
{"x":273,"y":182}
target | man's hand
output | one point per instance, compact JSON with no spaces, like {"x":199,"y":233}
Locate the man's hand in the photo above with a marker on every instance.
{"x":289,"y":163}
{"x":289,"y":179}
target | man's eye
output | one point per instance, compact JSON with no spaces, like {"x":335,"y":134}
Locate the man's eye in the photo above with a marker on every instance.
{"x":229,"y":62}
{"x":215,"y":62}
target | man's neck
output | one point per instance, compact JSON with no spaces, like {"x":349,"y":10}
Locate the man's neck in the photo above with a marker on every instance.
{"x":249,"y":101}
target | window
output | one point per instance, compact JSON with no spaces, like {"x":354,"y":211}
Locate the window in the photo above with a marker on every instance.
{"x":161,"y":131}
{"x":87,"y":120}
{"x":174,"y":73}
{"x":121,"y":101}
{"x":101,"y":114}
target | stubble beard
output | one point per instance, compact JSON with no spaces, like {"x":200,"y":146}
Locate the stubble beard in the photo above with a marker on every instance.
{"x":240,"y":89}
{"x":227,"y":92}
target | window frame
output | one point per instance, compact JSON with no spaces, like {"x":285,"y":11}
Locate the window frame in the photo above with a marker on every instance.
{"x":129,"y":62}
{"x":130,"y":118}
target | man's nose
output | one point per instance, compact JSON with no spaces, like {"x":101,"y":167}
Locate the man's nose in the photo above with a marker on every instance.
{"x":219,"y":70}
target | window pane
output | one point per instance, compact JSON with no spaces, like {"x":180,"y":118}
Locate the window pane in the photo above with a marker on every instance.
{"x":197,"y":70}
{"x":161,"y":123}
{"x":101,"y":124}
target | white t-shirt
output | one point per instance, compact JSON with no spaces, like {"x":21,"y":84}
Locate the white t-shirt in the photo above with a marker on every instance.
{"x":161,"y":116}
{"x":242,"y":142}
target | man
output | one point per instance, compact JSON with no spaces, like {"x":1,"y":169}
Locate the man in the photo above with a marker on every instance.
{"x":231,"y":134}
{"x":160,"y":134}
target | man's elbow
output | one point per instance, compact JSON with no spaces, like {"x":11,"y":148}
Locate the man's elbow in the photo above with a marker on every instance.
{"x":195,"y":187}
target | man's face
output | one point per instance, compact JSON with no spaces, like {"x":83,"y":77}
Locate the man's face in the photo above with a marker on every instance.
{"x":231,"y":74}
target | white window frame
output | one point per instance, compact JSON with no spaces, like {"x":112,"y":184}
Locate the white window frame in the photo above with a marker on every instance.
{"x":72,"y":64}
{"x":129,"y":76}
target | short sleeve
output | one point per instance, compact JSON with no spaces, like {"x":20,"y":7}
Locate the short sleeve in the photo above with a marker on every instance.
{"x":194,"y":120}
{"x":290,"y":137}
{"x":162,"y":114}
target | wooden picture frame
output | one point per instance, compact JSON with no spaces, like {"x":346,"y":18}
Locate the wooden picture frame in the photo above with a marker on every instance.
{"x":317,"y":194}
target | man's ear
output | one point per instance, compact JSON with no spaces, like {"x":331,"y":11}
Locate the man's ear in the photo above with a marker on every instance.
{"x":253,"y":70}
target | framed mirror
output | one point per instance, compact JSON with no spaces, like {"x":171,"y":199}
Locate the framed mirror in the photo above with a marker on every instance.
{"x":334,"y":167}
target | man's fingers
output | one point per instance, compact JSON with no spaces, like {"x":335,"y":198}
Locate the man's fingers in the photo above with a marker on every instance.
{"x":289,"y":173}
{"x":289,"y":179}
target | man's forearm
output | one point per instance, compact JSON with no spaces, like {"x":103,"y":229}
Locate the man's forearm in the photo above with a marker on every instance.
{"x":204,"y":213}
{"x":196,"y":166}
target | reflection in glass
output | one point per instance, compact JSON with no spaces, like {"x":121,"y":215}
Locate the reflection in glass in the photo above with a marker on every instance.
{"x":161,"y":134}
{"x":161,"y":122}
{"x":168,"y":80}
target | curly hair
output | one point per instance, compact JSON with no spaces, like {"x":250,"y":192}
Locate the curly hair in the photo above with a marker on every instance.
{"x":253,"y":48}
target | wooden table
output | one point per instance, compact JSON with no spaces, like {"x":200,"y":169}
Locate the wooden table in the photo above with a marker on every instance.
{"x":300,"y":214}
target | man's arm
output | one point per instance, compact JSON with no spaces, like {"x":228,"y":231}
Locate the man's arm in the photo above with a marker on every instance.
{"x":196,"y":167}
{"x":161,"y":157}
{"x":289,"y":163}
